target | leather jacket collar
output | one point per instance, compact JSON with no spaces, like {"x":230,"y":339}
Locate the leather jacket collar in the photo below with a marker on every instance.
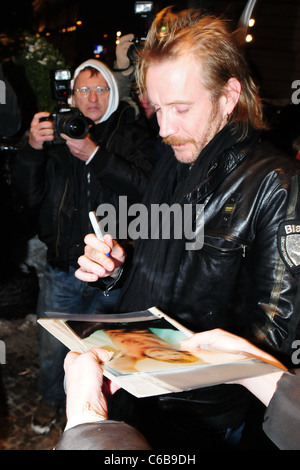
{"x":227,"y":162}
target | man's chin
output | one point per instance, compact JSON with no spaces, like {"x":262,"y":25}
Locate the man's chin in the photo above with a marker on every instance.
{"x":94,"y":116}
{"x":184,"y":156}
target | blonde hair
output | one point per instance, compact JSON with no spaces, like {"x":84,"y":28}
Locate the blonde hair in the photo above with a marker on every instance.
{"x":212,"y":43}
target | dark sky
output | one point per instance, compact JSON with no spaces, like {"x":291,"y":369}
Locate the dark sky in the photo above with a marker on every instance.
{"x":15,"y":15}
{"x":119,"y":14}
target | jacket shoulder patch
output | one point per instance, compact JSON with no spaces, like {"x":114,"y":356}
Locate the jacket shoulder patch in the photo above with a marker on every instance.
{"x":289,"y":244}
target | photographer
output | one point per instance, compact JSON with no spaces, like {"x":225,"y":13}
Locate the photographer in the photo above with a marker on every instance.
{"x":64,"y":180}
{"x":124,"y":71}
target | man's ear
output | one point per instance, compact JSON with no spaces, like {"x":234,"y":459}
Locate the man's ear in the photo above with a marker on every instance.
{"x":231,"y":95}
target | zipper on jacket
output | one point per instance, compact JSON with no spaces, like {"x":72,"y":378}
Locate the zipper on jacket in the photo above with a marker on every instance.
{"x":242,"y":247}
{"x":58,"y":218}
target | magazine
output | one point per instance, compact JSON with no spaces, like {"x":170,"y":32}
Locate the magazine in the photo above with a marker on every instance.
{"x":147,"y":356}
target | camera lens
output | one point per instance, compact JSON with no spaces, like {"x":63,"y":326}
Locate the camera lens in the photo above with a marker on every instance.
{"x":75,"y":127}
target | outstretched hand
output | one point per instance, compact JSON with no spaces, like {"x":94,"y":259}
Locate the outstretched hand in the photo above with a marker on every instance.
{"x":222,"y":340}
{"x":86,"y":388}
{"x":263,"y":387}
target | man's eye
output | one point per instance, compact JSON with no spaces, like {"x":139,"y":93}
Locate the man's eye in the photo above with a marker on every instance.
{"x":182,"y":110}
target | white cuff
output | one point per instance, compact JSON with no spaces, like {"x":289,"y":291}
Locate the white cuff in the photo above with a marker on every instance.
{"x":86,"y":416}
{"x":92,"y":156}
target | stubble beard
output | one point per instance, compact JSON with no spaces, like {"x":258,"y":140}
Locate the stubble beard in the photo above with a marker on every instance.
{"x":215,"y":124}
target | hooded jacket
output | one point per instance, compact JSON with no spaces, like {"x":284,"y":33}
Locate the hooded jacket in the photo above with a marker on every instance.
{"x":113,"y":101}
{"x":63,"y":189}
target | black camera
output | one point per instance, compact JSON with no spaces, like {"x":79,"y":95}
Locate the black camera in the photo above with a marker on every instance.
{"x":70,"y":122}
{"x":66,"y":120}
{"x":144,"y":12}
{"x":136,"y":45}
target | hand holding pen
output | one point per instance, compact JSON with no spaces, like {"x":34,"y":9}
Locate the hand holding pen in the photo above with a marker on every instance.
{"x":95,"y":263}
{"x":97,"y":227}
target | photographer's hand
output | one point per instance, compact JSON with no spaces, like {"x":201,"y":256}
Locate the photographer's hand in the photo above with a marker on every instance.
{"x":122,"y":59}
{"x":40,"y":132}
{"x":80,"y":148}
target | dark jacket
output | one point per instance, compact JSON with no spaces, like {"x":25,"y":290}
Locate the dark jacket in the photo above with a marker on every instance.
{"x":282,"y":417}
{"x":105,"y":435}
{"x":64,"y":189}
{"x":244,"y":279}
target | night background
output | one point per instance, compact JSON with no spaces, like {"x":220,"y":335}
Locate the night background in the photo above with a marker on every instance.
{"x":274,"y":51}
{"x":74,"y":28}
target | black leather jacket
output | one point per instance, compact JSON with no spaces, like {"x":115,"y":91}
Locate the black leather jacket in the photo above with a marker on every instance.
{"x":244,"y":279}
{"x":63,"y":188}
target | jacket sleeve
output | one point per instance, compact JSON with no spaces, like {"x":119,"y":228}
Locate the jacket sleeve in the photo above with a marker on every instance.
{"x":282,"y":417}
{"x":29,"y":176}
{"x":122,"y":175}
{"x":125,"y":83}
{"x":275,"y":262}
{"x":126,"y":161}
{"x":105,"y":435}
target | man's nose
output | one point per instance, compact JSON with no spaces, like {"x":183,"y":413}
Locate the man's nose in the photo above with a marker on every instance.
{"x":167,"y":126}
{"x":93,"y":95}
